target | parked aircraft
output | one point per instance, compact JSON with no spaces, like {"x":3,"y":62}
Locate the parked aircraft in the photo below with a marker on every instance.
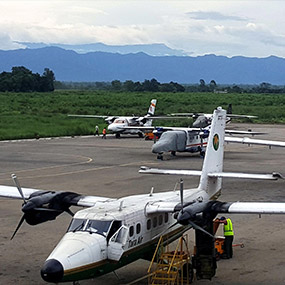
{"x":195,"y":140}
{"x":118,"y":124}
{"x":202,"y":120}
{"x":111,"y":233}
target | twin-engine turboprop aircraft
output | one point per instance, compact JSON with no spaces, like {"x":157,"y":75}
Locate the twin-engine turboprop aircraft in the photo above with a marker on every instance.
{"x":202,"y":120}
{"x":119,"y":124}
{"x":194,"y":140}
{"x":110,"y":233}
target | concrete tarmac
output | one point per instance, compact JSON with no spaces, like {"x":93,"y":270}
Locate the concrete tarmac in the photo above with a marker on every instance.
{"x":109,"y":168}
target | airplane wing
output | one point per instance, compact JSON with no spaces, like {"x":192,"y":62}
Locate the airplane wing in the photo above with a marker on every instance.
{"x":74,"y":198}
{"x":220,"y":207}
{"x":254,"y":141}
{"x":88,"y":116}
{"x":210,"y":115}
{"x":256,"y":208}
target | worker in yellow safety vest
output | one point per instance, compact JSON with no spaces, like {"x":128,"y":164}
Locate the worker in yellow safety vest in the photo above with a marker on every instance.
{"x":229,"y":237}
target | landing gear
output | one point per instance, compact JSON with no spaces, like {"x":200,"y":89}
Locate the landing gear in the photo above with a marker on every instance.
{"x":173,"y":153}
{"x":202,"y":154}
{"x":118,"y":136}
{"x":160,"y":156}
{"x":140,"y":135}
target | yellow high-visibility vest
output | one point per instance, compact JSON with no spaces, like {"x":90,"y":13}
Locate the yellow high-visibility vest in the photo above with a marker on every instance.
{"x":228,"y":228}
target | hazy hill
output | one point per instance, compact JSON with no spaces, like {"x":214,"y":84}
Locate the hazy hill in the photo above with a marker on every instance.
{"x":102,"y":66}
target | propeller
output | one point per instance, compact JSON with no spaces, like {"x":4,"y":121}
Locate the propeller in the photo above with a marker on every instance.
{"x":188,"y":214}
{"x":14,"y":177}
{"x":42,"y":206}
{"x":181,"y":193}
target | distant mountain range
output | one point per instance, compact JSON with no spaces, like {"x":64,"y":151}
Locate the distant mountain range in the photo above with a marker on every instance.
{"x":150,"y":49}
{"x":69,"y":65}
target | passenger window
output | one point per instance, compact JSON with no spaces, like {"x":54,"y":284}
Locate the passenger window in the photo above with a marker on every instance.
{"x":131,"y":231}
{"x":138,"y":228}
{"x":160,"y":220}
{"x":166,"y":217}
{"x":154,"y":222}
{"x":148,"y":224}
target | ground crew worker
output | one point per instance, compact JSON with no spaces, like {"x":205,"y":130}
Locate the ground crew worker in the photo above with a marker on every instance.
{"x":96,"y":131}
{"x":104,"y":133}
{"x":229,"y":237}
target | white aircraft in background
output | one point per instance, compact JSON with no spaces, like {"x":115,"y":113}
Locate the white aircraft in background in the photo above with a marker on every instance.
{"x":118,"y":124}
{"x":202,"y":120}
{"x":111,"y":233}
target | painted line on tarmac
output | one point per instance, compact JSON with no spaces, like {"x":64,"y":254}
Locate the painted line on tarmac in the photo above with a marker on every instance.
{"x":85,"y":170}
{"x":87,"y":160}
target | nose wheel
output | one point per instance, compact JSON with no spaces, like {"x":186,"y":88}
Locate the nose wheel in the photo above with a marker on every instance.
{"x":160,"y":156}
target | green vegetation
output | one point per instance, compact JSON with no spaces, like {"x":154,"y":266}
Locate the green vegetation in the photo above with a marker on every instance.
{"x":30,"y":115}
{"x":22,"y":79}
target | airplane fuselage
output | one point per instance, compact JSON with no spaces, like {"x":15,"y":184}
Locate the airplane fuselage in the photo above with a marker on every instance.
{"x":119,"y":124}
{"x":180,"y":141}
{"x":112,"y":234}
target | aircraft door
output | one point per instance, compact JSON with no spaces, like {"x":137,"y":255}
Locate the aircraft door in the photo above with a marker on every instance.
{"x":181,"y":140}
{"x":117,"y":243}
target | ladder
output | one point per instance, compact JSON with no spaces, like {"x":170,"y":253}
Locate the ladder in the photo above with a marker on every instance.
{"x":172,"y":267}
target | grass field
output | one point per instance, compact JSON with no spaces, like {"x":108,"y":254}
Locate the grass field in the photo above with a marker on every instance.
{"x":30,"y":115}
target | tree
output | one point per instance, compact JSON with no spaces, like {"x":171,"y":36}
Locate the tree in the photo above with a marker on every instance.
{"x":22,"y":79}
{"x":129,"y":85}
{"x":116,"y":85}
{"x":213,"y":85}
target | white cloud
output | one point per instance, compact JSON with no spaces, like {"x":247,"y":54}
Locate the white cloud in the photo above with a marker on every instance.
{"x":229,"y":28}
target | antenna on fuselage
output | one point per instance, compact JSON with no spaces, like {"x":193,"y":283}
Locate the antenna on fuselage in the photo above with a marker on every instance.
{"x":121,"y":206}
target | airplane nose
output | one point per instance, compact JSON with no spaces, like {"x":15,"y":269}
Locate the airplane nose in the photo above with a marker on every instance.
{"x":52,"y":271}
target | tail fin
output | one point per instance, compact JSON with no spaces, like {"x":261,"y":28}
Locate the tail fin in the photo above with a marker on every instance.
{"x":150,"y":112}
{"x":214,"y":157}
{"x":151,"y":108}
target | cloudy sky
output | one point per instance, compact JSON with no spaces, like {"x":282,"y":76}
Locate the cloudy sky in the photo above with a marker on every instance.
{"x":230,"y":28}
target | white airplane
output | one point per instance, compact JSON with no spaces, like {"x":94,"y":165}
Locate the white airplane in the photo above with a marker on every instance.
{"x":202,"y":120}
{"x":110,"y":233}
{"x":118,"y":124}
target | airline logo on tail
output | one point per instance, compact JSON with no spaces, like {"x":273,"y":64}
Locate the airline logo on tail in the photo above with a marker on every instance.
{"x":216,"y":142}
{"x":152,"y":107}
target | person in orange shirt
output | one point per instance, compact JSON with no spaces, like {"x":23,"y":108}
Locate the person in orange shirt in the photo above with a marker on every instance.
{"x":104,"y":133}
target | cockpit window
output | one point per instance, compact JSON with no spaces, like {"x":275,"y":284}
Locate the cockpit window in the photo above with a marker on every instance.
{"x":119,"y":121}
{"x":98,"y":227}
{"x":76,"y":225}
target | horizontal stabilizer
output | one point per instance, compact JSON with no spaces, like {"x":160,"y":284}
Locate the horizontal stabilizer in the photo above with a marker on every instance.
{"x":147,"y":170}
{"x":234,"y":132}
{"x":272,"y":176}
{"x":255,"y":141}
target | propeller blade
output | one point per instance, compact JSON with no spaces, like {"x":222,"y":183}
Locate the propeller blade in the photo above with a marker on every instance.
{"x":69,"y":212}
{"x":14,"y":177}
{"x":181,"y":194}
{"x":196,"y":227}
{"x":47,"y":210}
{"x":19,"y":225}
